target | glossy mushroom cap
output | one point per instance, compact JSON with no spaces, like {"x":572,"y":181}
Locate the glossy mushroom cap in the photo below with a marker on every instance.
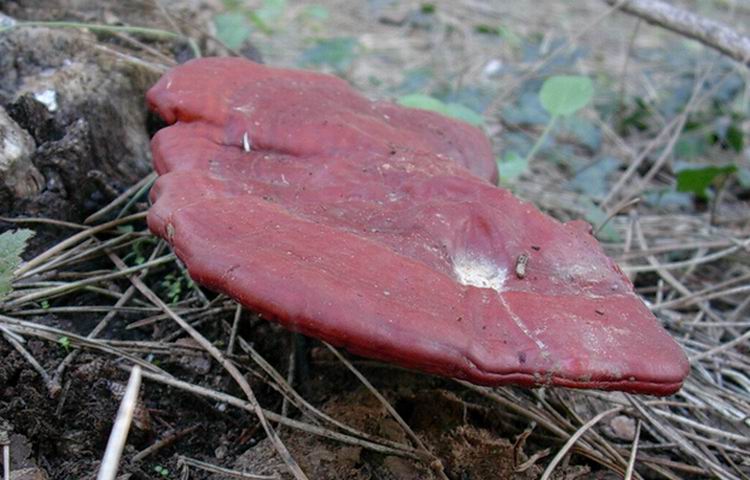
{"x":378,"y":228}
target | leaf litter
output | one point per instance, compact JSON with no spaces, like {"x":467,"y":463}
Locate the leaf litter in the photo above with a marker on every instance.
{"x":691,"y":269}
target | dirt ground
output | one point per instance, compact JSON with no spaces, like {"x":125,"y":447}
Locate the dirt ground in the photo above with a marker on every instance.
{"x":91,"y":150}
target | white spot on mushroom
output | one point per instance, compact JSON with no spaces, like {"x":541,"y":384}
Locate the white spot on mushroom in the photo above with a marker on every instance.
{"x":246,"y":146}
{"x":479,"y":271}
{"x":523,"y":327}
{"x":247,"y":109}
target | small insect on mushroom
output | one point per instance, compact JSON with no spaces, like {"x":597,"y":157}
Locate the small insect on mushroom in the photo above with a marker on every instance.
{"x":521,"y":263}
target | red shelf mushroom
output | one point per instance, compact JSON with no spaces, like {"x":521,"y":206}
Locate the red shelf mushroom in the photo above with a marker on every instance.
{"x":378,"y":228}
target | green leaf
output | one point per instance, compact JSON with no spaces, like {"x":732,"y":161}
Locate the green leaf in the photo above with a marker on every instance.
{"x":584,"y":131}
{"x":428,"y":8}
{"x":744,"y":177}
{"x":592,"y":180}
{"x":526,"y":110}
{"x":485,"y":29}
{"x":670,"y":200}
{"x":456,"y":110}
{"x":697,"y":180}
{"x":232,"y":28}
{"x":417,"y":79}
{"x":453,"y":110}
{"x":511,"y":167}
{"x":564,"y":95}
{"x":690,"y":146}
{"x":12,"y":246}
{"x":425,"y":102}
{"x":270,"y":13}
{"x":510,"y":37}
{"x":596,"y":217}
{"x":337,"y":53}
{"x":735,"y":138}
{"x":475,"y":97}
{"x":316,"y":12}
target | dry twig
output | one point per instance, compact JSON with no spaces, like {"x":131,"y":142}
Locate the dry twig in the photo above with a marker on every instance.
{"x":710,"y":33}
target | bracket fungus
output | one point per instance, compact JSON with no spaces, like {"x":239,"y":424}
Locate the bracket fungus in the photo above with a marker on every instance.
{"x":380,"y":229}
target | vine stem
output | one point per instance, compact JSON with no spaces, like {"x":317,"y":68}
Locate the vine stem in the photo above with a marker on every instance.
{"x":542,"y":137}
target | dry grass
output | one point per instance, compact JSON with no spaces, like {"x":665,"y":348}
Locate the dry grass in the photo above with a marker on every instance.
{"x":692,"y":267}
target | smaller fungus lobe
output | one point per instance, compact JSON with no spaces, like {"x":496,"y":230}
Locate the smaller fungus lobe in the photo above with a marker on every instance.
{"x":375,"y":227}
